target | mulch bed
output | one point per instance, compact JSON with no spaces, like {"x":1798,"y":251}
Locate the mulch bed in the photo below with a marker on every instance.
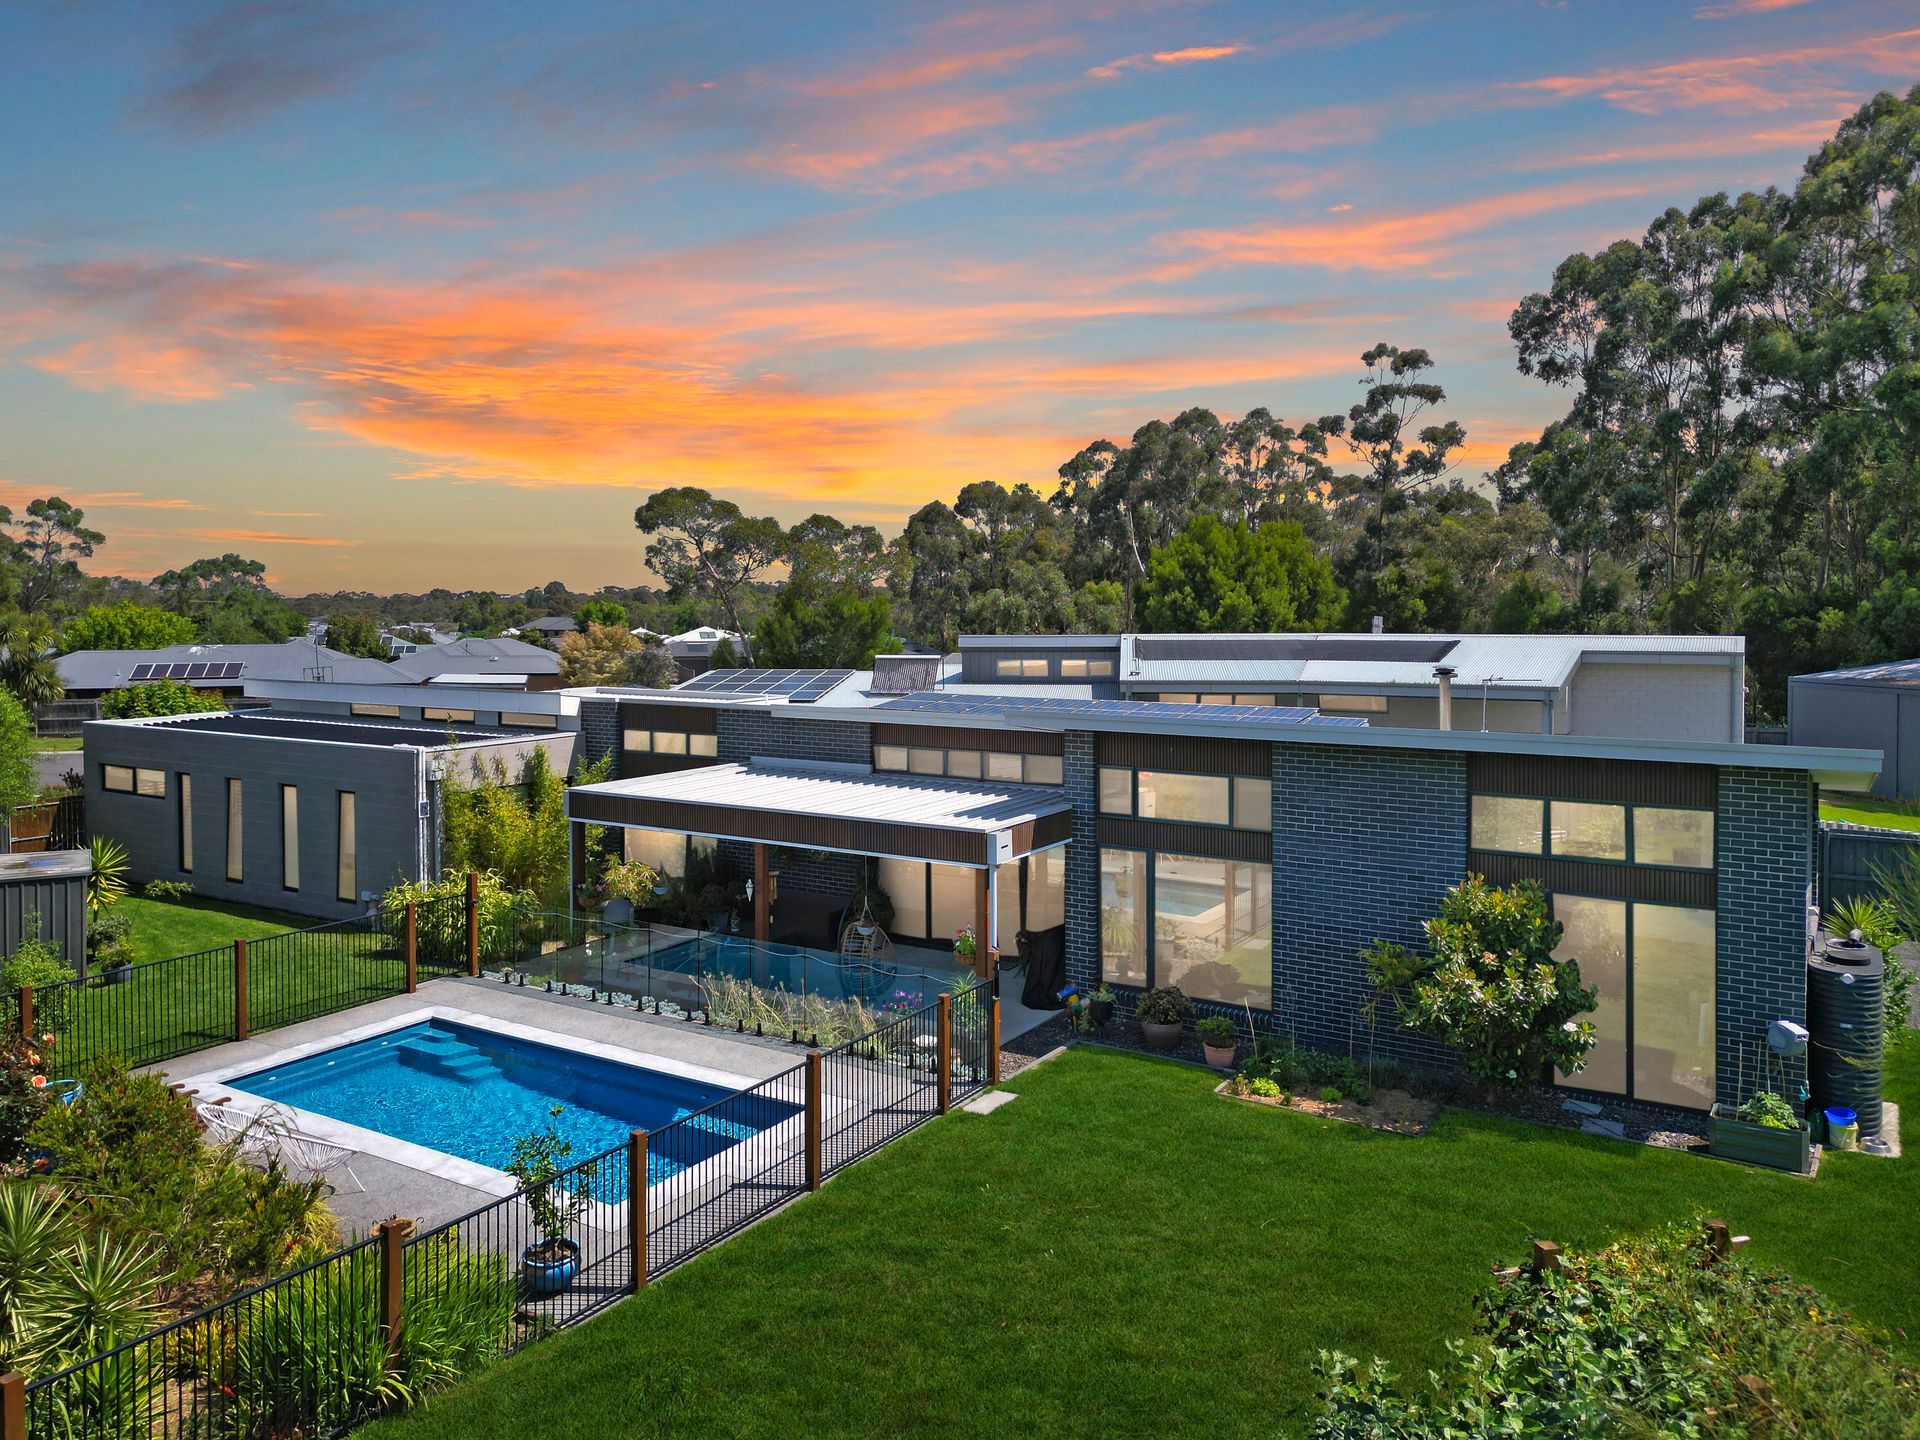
{"x":1640,"y":1124}
{"x":1394,"y":1111}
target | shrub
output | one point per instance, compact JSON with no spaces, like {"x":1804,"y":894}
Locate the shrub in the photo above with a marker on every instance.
{"x":158,"y":697}
{"x":1652,"y":1337}
{"x":1217,"y":1031}
{"x":107,"y":880}
{"x":130,"y":1152}
{"x":1297,"y":1071}
{"x":1166,"y":1006}
{"x":23,"y":1094}
{"x":110,"y":940}
{"x":1265,"y":1089}
{"x":167,"y":890}
{"x":631,"y":881}
{"x":441,"y":915}
{"x":38,"y":964}
{"x":1496,"y":994}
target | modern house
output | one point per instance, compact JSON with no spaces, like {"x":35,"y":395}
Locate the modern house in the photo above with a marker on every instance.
{"x":316,"y":816}
{"x":1245,"y":849}
{"x":692,"y":650}
{"x":1674,"y":687}
{"x":504,"y":663}
{"x":1873,"y":706}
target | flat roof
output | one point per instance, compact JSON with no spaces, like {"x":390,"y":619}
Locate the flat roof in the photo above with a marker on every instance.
{"x":272,"y":725}
{"x":848,"y":808}
{"x":1890,"y":672}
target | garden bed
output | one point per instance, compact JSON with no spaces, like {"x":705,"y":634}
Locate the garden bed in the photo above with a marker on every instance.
{"x":1393,"y":1111}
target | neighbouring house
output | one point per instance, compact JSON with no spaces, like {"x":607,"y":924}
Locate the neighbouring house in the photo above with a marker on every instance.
{"x":222,"y":669}
{"x":415,"y":704}
{"x":503,"y":663}
{"x":315,"y":816}
{"x":692,"y":650}
{"x":1246,"y":850}
{"x":1876,"y":707}
{"x":548,"y":629}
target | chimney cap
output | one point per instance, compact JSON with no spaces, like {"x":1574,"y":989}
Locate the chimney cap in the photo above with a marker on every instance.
{"x":1444,"y":672}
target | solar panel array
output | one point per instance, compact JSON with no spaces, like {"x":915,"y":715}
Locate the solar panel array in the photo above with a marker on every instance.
{"x":798,"y":687}
{"x":187,"y":670}
{"x":936,"y":702}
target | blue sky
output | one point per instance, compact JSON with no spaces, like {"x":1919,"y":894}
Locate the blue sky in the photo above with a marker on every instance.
{"x":399,"y":295}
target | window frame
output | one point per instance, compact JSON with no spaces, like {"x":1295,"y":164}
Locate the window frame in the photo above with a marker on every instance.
{"x":290,"y":838}
{"x":184,"y":789}
{"x":1630,"y":861}
{"x":346,"y":846}
{"x":1233,"y":782}
{"x":1148,"y":913}
{"x":236,"y":830}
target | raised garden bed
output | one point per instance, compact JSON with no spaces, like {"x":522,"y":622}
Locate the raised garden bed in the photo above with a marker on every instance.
{"x":1768,"y":1145}
{"x":1394,"y":1111}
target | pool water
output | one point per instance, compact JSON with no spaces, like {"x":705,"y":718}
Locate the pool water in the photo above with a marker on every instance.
{"x":472,"y":1093}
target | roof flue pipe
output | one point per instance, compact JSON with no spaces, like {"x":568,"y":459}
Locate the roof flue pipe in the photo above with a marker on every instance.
{"x":1444,"y":674}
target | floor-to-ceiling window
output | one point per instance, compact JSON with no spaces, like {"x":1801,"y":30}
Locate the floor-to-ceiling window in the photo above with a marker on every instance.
{"x":665,"y":852}
{"x":935,"y":902}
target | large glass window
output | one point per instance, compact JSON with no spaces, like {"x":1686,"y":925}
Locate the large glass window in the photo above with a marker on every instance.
{"x":1006,"y":906}
{"x":235,"y":839}
{"x":1590,"y":832}
{"x":1252,"y":804}
{"x":1199,"y":799}
{"x":1045,"y":770}
{"x":1595,"y":935}
{"x":289,"y":837}
{"x":1123,"y":905}
{"x":905,"y":882}
{"x":1673,"y":837}
{"x":1021,"y":669}
{"x":669,"y":742}
{"x":1047,"y":889}
{"x":128,"y":781}
{"x":346,"y":878}
{"x":952,"y":901}
{"x":1501,"y":822}
{"x":1673,"y":1005}
{"x":1213,"y":928}
{"x":664,"y":852}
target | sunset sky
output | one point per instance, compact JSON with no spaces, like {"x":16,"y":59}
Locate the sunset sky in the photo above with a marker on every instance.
{"x":392,"y":295}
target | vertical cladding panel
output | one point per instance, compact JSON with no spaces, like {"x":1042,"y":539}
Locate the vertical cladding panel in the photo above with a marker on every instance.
{"x":1083,"y":860}
{"x":1365,"y":843}
{"x":1764,"y":841}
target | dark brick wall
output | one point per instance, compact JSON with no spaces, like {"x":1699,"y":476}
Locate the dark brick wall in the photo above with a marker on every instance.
{"x":1365,"y":842}
{"x":1763,"y":847}
{"x":1083,"y":860}
{"x":746,"y":733}
{"x":599,"y":728}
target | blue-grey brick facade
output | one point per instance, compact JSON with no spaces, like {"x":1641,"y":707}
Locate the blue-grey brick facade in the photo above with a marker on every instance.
{"x":599,"y":728}
{"x":1365,"y":842}
{"x":1763,"y":842}
{"x":1082,"y":776}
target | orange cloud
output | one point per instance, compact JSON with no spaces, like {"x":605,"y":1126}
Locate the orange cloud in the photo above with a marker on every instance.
{"x":1799,"y":138}
{"x":1191,"y":55}
{"x":1732,"y":8}
{"x":269,"y":537}
{"x":1407,"y":241}
{"x":1764,"y":81}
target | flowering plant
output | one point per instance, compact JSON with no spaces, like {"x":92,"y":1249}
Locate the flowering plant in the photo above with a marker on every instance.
{"x":964,"y":942}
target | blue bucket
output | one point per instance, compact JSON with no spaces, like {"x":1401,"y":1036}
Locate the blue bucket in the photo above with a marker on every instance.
{"x":1843,"y":1128}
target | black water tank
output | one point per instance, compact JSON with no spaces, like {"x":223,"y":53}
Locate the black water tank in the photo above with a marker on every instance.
{"x":1846,"y":1005}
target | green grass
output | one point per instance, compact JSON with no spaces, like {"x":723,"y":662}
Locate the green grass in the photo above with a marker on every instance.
{"x":1864,"y":810}
{"x":50,"y":744}
{"x":173,"y":1007}
{"x":1121,"y":1252}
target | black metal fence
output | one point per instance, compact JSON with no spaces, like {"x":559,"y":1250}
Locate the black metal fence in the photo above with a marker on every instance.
{"x":384,"y":1321}
{"x":161,"y":1009}
{"x":1849,"y":856}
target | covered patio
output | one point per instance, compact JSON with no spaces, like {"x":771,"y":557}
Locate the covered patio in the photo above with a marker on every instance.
{"x":976,"y":831}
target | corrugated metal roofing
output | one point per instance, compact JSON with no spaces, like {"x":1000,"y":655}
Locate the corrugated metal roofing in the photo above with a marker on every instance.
{"x":1889,"y":672}
{"x":845,"y":794}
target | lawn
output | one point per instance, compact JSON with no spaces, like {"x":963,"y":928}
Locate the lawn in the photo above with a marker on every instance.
{"x":1121,"y":1252}
{"x":168,"y":1008}
{"x":1865,"y":810}
{"x":57,"y":744}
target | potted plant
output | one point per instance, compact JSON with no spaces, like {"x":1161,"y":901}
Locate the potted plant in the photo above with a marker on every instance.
{"x":1163,"y":1016}
{"x":1763,"y":1131}
{"x":556,"y":1196}
{"x":965,"y":943}
{"x":1102,"y":1004}
{"x":110,"y":946}
{"x":1218,"y":1039}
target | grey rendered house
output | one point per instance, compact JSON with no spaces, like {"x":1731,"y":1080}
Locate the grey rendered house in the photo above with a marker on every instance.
{"x":298,"y":813}
{"x":1243,"y":851}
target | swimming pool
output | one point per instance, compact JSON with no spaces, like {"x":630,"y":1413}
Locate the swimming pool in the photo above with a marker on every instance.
{"x":471,"y":1093}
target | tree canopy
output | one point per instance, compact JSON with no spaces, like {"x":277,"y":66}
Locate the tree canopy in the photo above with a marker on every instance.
{"x":1214,"y":577}
{"x":126,"y":625}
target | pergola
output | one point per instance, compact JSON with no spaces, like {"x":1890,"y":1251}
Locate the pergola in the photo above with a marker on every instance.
{"x":846,"y":809}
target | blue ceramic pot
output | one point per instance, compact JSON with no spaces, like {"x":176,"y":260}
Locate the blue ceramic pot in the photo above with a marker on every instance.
{"x":549,"y":1277}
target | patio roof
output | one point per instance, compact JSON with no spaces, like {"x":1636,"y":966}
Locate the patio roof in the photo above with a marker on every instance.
{"x":846,"y":808}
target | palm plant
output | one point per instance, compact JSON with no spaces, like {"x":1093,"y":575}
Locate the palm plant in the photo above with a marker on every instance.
{"x":108,"y":880}
{"x":26,"y":660}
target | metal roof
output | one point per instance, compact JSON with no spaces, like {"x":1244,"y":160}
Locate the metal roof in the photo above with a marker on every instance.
{"x":845,"y":792}
{"x":942,"y":702}
{"x":89,"y":670}
{"x":273,"y":725}
{"x":475,"y":657}
{"x":1890,"y":672}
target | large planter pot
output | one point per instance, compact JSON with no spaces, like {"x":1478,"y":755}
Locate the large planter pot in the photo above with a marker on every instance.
{"x":1162,"y":1036}
{"x":1220,"y":1056}
{"x":1102,"y":1010}
{"x":1733,"y":1139}
{"x":116,"y":974}
{"x":549,"y":1277}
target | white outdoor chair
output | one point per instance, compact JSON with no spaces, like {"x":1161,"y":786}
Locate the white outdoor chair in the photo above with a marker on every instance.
{"x":273,"y":1132}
